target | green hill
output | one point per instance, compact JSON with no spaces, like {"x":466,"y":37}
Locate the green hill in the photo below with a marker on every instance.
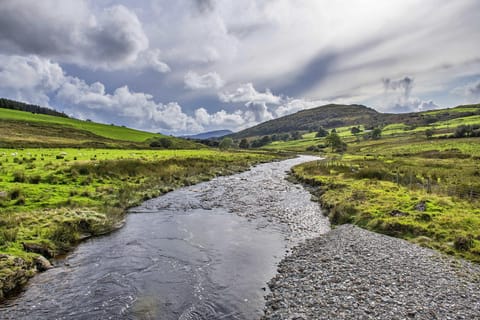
{"x":334,"y":116}
{"x":27,"y":129}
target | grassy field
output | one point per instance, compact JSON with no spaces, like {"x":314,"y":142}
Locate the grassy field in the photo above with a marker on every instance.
{"x":404,"y":184}
{"x":25,"y":129}
{"x":423,"y":190}
{"x":52,"y":198}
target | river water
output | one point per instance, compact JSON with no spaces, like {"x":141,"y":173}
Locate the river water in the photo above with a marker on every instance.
{"x":201,"y":252}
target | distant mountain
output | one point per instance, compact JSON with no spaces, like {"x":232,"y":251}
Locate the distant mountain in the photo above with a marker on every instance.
{"x":328,"y":116}
{"x":209,"y":134}
{"x":336,"y":115}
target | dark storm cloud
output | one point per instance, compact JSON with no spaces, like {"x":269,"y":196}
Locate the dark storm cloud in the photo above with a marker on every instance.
{"x":71,"y":32}
{"x":405,"y":85}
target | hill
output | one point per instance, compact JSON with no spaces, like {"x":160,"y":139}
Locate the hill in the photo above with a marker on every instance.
{"x":21,"y":106}
{"x":26,"y":129}
{"x":209,"y":134}
{"x":335,"y":115}
{"x":328,"y":116}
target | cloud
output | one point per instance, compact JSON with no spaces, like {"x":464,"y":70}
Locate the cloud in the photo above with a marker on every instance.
{"x":152,"y":58}
{"x":115,"y":36}
{"x":41,"y":81}
{"x":29,"y":78}
{"x":211,"y":80}
{"x":247,"y":93}
{"x":71,"y":32}
{"x":470,"y":91}
{"x":294,"y":105}
{"x":204,"y":5}
{"x":397,"y":97}
{"x":404,"y":85}
{"x":412,"y":105}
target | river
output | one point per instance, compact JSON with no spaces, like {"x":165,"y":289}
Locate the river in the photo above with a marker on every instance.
{"x":201,"y":252}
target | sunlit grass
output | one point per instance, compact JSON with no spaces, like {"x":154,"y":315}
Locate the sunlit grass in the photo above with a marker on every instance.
{"x":53,"y":197}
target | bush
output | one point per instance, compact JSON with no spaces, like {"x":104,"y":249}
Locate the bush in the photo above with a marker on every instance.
{"x":15,"y":193}
{"x":19,"y":176}
{"x":342,"y":214}
{"x":463,"y":242}
{"x":372,"y":173}
{"x":321,"y":133}
{"x":35,"y":179}
{"x":8,"y":235}
{"x":20,"y":201}
{"x":161,"y":143}
{"x":429,"y":133}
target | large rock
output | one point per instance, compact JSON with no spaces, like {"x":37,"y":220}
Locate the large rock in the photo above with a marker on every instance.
{"x":42,"y":264}
{"x":38,"y":248}
{"x":14,"y":273}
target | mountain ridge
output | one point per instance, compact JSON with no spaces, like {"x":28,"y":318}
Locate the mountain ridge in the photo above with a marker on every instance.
{"x":208,"y":134}
{"x":337,"y":115}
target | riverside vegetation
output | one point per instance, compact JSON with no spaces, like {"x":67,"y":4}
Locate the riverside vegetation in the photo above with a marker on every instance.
{"x":420,"y":183}
{"x":54,"y":196}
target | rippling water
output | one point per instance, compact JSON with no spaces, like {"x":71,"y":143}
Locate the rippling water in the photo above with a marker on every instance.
{"x":202,"y":252}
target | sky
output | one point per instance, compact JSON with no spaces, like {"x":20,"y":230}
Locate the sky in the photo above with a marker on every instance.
{"x":189,"y":66}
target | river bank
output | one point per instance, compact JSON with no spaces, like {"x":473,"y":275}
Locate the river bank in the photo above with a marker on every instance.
{"x":51,"y":200}
{"x":352,"y":273}
{"x":205,"y":251}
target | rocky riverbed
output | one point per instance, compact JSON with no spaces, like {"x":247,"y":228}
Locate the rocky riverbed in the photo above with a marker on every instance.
{"x":351,"y":273}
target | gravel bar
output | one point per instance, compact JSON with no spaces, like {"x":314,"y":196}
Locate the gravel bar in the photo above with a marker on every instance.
{"x":352,"y":273}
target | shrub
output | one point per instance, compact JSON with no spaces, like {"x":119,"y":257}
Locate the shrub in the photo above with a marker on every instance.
{"x":35,"y":179}
{"x":429,"y":133}
{"x":321,"y":133}
{"x":18,"y":176}
{"x":342,"y":214}
{"x":161,"y":143}
{"x":372,"y":173}
{"x":463,"y":242}
{"x":15,"y":193}
{"x":8,"y":235}
{"x":20,"y":201}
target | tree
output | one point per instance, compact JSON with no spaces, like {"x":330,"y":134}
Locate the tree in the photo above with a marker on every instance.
{"x":161,"y":143}
{"x":429,"y":133}
{"x":296,"y":135}
{"x":334,"y":141}
{"x":244,"y":144}
{"x":321,"y":132}
{"x":225,"y":143}
{"x":376,"y":133}
{"x":355,"y":130}
{"x":462,"y":131}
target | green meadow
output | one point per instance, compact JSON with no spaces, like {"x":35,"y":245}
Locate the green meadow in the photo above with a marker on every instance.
{"x":404,"y":184}
{"x":25,"y":129}
{"x":47,"y":196}
{"x":61,"y":191}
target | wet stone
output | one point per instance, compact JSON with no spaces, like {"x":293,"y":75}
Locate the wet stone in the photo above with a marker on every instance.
{"x":395,"y":280}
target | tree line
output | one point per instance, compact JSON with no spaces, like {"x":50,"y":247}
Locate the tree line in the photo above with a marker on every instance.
{"x":21,"y":106}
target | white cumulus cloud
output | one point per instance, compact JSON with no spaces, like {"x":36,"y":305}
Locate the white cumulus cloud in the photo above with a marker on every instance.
{"x":210,"y":80}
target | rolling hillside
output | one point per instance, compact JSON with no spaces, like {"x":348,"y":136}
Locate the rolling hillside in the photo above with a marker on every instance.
{"x":27,"y":129}
{"x":334,"y":116}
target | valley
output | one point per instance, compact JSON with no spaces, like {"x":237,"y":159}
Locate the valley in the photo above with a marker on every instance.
{"x":64,"y":181}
